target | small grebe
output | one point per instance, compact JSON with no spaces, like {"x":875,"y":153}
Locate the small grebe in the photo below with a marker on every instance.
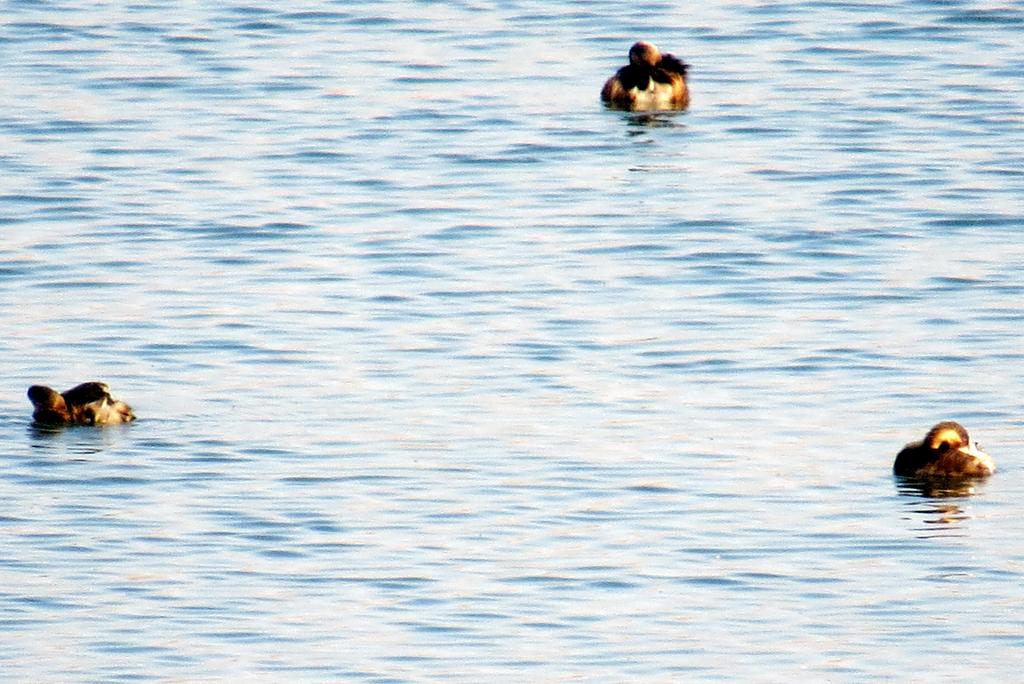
{"x":87,"y":404}
{"x":651,"y":81}
{"x":946,"y":451}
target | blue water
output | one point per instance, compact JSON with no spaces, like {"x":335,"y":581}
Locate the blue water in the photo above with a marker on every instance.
{"x":447,"y":373}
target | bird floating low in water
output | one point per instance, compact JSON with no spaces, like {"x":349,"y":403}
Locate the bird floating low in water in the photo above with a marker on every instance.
{"x":87,"y":404}
{"x":650,"y":82}
{"x":946,"y":451}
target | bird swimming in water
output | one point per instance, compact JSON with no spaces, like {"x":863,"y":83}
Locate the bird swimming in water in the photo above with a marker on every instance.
{"x":87,"y":404}
{"x":651,"y":81}
{"x":946,"y":451}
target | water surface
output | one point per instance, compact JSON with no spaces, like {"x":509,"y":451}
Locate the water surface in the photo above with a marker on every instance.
{"x":445,"y":372}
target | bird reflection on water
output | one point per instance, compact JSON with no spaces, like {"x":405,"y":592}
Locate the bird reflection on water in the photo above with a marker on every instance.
{"x":938,"y":503}
{"x":72,"y":440}
{"x":639,"y":123}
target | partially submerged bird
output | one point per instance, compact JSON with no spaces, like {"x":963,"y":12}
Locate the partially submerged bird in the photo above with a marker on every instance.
{"x":651,"y":81}
{"x":946,"y":451}
{"x":87,"y":404}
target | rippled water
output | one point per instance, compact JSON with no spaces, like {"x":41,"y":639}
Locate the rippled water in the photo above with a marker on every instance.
{"x":445,"y":372}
